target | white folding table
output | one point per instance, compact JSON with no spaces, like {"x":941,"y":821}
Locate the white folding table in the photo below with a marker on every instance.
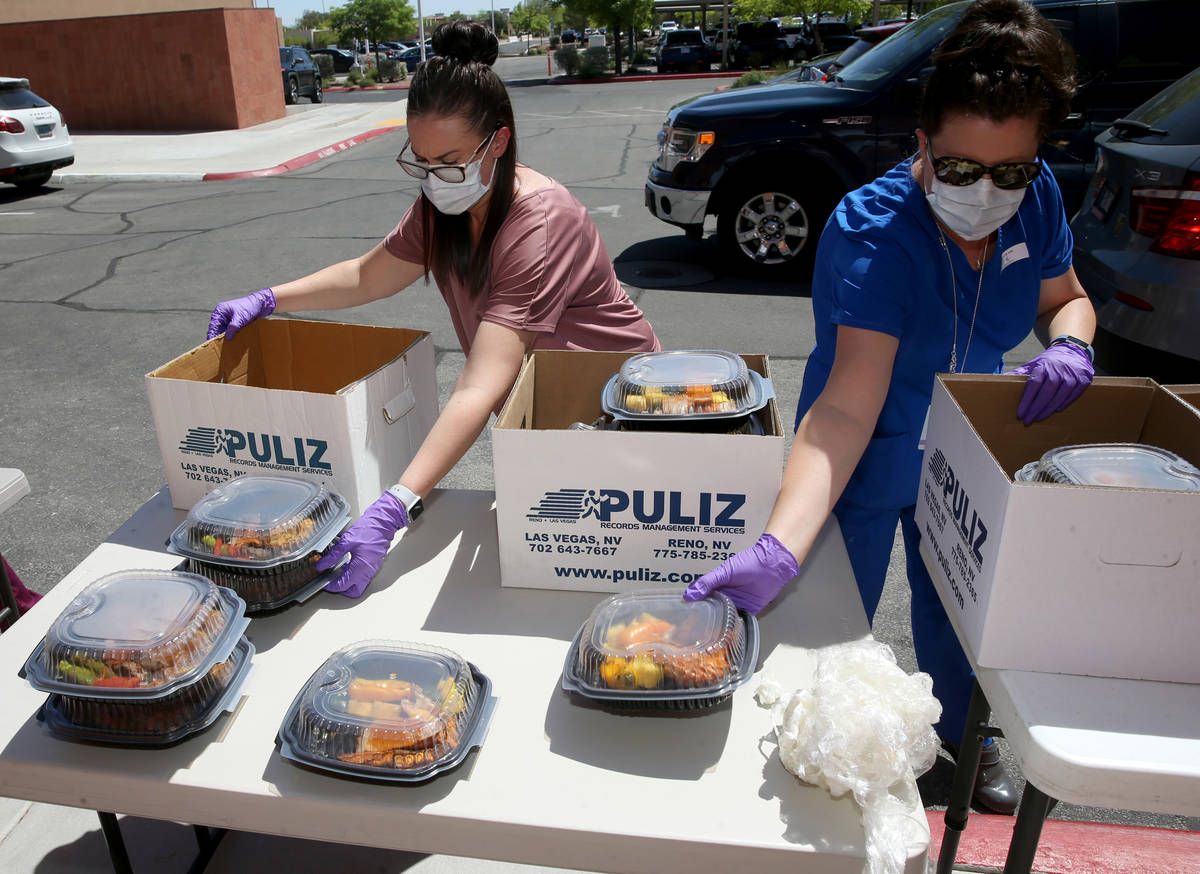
{"x":555,"y":783}
{"x":1101,"y":742}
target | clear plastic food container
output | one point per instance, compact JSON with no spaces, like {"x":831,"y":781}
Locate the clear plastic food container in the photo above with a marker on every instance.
{"x":261,"y":522}
{"x":158,"y":722}
{"x":266,"y":590}
{"x":391,"y":711}
{"x":137,"y":634}
{"x":685,"y":384}
{"x":1030,"y":473}
{"x":1129,"y":465}
{"x":652,"y":648}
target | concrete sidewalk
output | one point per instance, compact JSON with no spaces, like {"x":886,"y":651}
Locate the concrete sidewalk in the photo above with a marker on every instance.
{"x":307,"y":133}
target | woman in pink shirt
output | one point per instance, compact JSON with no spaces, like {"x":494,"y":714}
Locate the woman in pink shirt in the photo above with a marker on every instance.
{"x":516,"y":257}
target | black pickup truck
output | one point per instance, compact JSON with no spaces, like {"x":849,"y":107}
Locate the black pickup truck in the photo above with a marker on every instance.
{"x":771,"y":162}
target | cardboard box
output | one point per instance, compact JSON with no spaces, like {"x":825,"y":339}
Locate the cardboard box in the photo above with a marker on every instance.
{"x":607,"y":511}
{"x":1189,"y":393}
{"x":1061,"y":578}
{"x":348,"y":405}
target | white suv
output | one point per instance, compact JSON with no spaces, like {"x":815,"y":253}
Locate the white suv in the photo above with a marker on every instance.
{"x":34,"y":141}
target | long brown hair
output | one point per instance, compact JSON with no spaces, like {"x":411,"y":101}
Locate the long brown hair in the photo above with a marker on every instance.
{"x":460,"y":82}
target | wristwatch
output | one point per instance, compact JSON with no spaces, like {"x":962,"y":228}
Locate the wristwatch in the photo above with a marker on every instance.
{"x":1075,"y":341}
{"x":412,"y":503}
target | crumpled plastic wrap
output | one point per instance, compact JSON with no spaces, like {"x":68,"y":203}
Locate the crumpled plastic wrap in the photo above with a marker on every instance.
{"x":864,"y":727}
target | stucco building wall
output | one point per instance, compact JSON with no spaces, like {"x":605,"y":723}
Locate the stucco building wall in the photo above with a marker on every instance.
{"x":201,"y":69}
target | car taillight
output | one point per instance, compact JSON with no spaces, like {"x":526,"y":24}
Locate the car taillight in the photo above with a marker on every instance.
{"x":1170,"y":214}
{"x":10,"y":125}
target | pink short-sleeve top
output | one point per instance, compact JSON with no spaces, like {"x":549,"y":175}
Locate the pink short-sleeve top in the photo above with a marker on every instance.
{"x":549,"y":274}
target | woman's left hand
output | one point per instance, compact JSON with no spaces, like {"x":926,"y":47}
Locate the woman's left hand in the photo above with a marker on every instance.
{"x":367,"y":541}
{"x":1056,"y":378}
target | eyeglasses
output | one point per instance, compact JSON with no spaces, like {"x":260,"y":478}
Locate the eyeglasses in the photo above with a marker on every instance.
{"x":964,"y":171}
{"x":445,"y":172}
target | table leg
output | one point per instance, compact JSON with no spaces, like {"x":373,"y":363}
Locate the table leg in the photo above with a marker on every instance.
{"x":208,"y":839}
{"x":116,"y":843}
{"x":966,"y":766}
{"x":1035,"y":807}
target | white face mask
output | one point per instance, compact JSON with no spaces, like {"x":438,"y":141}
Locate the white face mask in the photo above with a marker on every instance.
{"x":972,"y":211}
{"x":454,"y":198}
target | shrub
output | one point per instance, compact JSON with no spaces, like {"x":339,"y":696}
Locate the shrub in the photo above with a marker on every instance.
{"x":567,"y":59}
{"x":595,"y":61}
{"x":388,"y":69}
{"x":555,"y":42}
{"x":640,"y":57}
{"x":372,"y":76}
{"x":754,"y":77}
{"x":354,"y":78}
{"x":325,"y":65}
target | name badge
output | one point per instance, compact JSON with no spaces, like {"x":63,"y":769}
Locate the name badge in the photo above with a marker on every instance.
{"x":1012,"y":254}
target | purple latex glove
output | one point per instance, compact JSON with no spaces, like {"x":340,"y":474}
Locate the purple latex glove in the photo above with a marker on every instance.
{"x":1056,"y":378}
{"x":230,"y":316}
{"x":367,"y":540}
{"x":752,"y":578}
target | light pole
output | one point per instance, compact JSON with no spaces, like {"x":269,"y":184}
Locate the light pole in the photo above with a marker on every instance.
{"x":421,"y":30}
{"x":493,"y":16}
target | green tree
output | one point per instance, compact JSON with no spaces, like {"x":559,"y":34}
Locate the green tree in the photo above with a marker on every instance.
{"x":371,"y":20}
{"x":311,"y":20}
{"x":616,"y":14}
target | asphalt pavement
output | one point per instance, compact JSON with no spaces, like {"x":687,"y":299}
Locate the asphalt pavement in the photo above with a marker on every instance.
{"x":45,"y":838}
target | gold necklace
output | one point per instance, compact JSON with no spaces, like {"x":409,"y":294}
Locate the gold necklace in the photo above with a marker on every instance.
{"x":980,"y":263}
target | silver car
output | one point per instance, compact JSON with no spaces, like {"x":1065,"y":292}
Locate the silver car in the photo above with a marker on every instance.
{"x":1137,"y":238}
{"x":34,"y":140}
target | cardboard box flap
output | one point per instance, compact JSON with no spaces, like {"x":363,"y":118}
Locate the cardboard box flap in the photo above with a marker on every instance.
{"x":1171,"y":425}
{"x":292,"y":355}
{"x":990,"y":403}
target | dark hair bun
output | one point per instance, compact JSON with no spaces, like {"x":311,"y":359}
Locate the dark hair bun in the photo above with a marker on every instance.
{"x":466,"y":41}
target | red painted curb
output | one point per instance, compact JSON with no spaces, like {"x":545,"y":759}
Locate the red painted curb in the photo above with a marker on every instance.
{"x":304,"y":160}
{"x":647,"y":77}
{"x":1074,"y":847}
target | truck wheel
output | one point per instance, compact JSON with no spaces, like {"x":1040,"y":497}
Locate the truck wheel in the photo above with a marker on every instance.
{"x":768,"y":228}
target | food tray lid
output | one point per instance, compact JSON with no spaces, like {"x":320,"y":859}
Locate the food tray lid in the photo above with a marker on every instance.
{"x":261,"y":521}
{"x":1128,"y":465}
{"x":388,"y":710}
{"x":651,"y":645}
{"x":685,"y":384}
{"x":137,"y":634}
{"x":210,"y":704}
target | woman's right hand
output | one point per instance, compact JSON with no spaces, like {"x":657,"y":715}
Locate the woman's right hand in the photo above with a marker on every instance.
{"x":230,"y":316}
{"x":751,"y":578}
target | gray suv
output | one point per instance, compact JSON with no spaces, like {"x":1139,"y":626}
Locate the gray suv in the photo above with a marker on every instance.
{"x":1137,"y":238}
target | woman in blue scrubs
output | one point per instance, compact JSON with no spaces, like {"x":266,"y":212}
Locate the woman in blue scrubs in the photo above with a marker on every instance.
{"x":943,"y":264}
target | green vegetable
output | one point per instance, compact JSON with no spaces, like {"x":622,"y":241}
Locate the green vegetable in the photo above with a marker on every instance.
{"x":76,"y":674}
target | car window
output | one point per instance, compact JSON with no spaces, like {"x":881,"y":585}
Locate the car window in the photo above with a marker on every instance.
{"x":902,"y":48}
{"x":285,"y":56}
{"x":1154,"y":44}
{"x":21,"y":98}
{"x":853,"y":52}
{"x":1175,"y":110}
{"x":684,"y":37}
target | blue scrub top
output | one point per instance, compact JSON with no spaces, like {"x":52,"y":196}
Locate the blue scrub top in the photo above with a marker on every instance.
{"x":880,"y":266}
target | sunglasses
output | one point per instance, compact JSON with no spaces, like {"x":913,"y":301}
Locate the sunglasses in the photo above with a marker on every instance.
{"x":445,"y":172}
{"x":964,"y":171}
